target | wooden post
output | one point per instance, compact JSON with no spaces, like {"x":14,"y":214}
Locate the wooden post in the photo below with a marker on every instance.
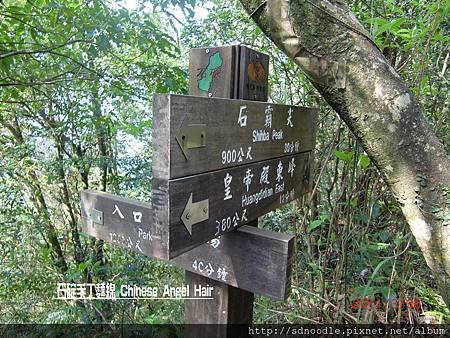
{"x":230,"y":305}
{"x":191,"y":165}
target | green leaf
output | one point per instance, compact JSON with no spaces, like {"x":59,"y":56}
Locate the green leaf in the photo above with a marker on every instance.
{"x":344,"y":156}
{"x":435,"y":314}
{"x":364,"y":161}
{"x":5,"y":65}
{"x":315,"y":224}
{"x":14,"y":93}
{"x":92,"y":51}
{"x":103,"y":43}
{"x":382,"y":246}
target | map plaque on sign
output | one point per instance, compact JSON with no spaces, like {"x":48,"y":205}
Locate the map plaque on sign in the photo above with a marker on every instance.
{"x":231,"y":71}
{"x":218,"y":164}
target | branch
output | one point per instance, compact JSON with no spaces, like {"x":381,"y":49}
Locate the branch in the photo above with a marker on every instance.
{"x":41,"y":51}
{"x":356,"y":80}
{"x":23,"y":22}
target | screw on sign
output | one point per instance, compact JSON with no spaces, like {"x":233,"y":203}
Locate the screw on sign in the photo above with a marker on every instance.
{"x":232,"y":252}
{"x":195,"y":213}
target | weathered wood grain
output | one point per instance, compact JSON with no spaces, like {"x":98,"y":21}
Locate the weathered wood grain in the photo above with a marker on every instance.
{"x":229,"y":305}
{"x":251,"y":78}
{"x":119,"y":225}
{"x":236,"y":132}
{"x":258,"y":257}
{"x":256,"y":260}
{"x":227,"y":209}
{"x":160,"y":169}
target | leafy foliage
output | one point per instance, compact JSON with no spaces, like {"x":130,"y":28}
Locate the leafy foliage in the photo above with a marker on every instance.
{"x":77,"y":78}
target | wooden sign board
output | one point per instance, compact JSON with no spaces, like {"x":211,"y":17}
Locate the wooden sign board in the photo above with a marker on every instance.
{"x":252,"y":77}
{"x":230,"y":71}
{"x":194,"y":135}
{"x":192,"y":210}
{"x":252,"y":259}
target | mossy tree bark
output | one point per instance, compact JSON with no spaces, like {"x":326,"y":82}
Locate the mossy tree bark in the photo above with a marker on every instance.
{"x":328,"y":43}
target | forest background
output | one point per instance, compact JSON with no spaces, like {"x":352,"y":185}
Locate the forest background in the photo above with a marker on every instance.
{"x":77,"y":79}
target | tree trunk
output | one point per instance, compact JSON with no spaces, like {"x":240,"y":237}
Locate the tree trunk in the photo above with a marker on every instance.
{"x":36,"y":195}
{"x":338,"y":56}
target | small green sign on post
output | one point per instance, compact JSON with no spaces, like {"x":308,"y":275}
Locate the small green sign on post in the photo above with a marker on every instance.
{"x":210,"y":72}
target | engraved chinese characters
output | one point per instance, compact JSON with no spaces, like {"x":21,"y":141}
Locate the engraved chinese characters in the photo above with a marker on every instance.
{"x":235,"y":196}
{"x":224,"y":259}
{"x":211,"y":134}
{"x":217,"y":165}
{"x":118,"y":213}
{"x":222,"y":163}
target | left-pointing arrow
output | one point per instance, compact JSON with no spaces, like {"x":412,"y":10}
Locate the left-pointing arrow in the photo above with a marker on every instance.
{"x":195,"y":213}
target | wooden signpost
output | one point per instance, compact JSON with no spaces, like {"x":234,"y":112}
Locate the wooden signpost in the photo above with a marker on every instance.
{"x":208,"y":134}
{"x":218,"y":164}
{"x":195,"y":209}
{"x":227,"y":259}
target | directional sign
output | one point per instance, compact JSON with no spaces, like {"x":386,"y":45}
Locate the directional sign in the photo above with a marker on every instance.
{"x":252,"y":259}
{"x":220,"y":163}
{"x":194,"y":135}
{"x":195,"y":209}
